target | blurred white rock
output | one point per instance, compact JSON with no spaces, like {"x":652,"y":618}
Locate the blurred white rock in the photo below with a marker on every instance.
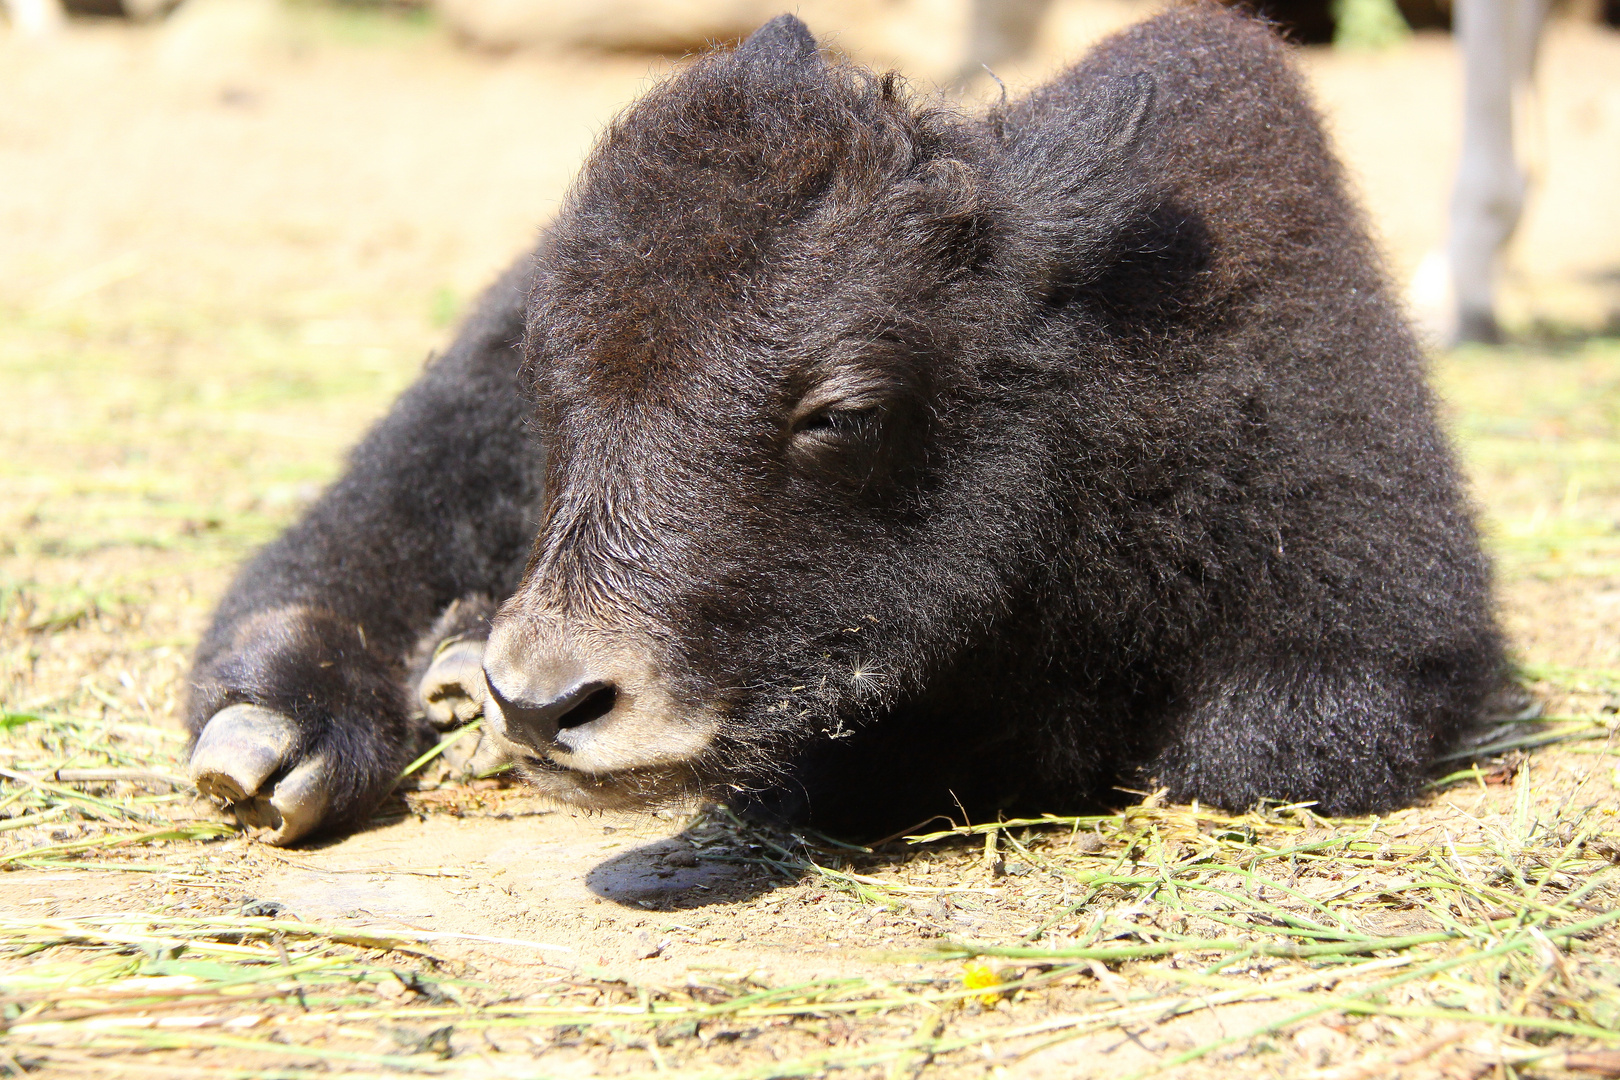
{"x":147,"y":10}
{"x":923,"y":37}
{"x":927,"y":40}
{"x":662,"y":26}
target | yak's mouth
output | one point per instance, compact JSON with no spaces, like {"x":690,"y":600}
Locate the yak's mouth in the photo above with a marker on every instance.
{"x":629,"y":733}
{"x":668,"y":765}
{"x":626,"y":789}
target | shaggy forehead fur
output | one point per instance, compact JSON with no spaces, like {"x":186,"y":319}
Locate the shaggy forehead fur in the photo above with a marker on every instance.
{"x":702,"y":199}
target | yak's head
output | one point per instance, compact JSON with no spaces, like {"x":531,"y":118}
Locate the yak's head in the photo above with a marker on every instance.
{"x":787,"y":345}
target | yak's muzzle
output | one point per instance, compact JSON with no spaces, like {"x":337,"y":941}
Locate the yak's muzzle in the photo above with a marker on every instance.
{"x":584,"y":699}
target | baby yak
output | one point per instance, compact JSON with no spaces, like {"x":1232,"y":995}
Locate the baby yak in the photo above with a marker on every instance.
{"x":852,"y":459}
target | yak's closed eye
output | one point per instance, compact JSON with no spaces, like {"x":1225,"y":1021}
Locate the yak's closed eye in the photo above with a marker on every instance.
{"x":837,"y":425}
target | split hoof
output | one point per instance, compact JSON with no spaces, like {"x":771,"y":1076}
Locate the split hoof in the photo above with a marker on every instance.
{"x":238,"y":753}
{"x":453,"y":691}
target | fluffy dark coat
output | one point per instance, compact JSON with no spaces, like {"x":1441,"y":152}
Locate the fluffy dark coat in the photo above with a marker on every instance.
{"x":983,"y":463}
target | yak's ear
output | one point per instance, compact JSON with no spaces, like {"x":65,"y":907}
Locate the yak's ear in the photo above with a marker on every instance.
{"x":1086,"y":187}
{"x":783,"y":42}
{"x":1118,"y":114}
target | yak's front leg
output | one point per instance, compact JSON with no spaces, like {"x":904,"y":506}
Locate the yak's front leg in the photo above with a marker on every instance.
{"x":322,"y":727}
{"x":320,"y":676}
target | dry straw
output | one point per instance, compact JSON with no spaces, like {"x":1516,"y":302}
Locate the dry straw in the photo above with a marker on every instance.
{"x":1145,"y":916}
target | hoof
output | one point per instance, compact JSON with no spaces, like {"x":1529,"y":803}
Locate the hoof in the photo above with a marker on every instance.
{"x":238,"y":753}
{"x":453,"y":690}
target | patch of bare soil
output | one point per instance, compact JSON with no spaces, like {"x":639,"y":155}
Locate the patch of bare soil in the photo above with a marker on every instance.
{"x":230,"y":241}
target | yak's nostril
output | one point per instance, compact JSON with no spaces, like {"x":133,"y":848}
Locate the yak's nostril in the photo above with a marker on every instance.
{"x":598,"y":701}
{"x":535,"y":723}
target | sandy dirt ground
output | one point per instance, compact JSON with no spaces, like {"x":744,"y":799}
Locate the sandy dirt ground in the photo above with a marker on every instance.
{"x":227,"y":242}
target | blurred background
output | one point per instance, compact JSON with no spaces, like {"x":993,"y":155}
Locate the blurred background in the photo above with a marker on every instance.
{"x":363,"y":167}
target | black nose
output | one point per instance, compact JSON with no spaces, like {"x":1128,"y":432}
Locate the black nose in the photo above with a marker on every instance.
{"x":536,"y":723}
